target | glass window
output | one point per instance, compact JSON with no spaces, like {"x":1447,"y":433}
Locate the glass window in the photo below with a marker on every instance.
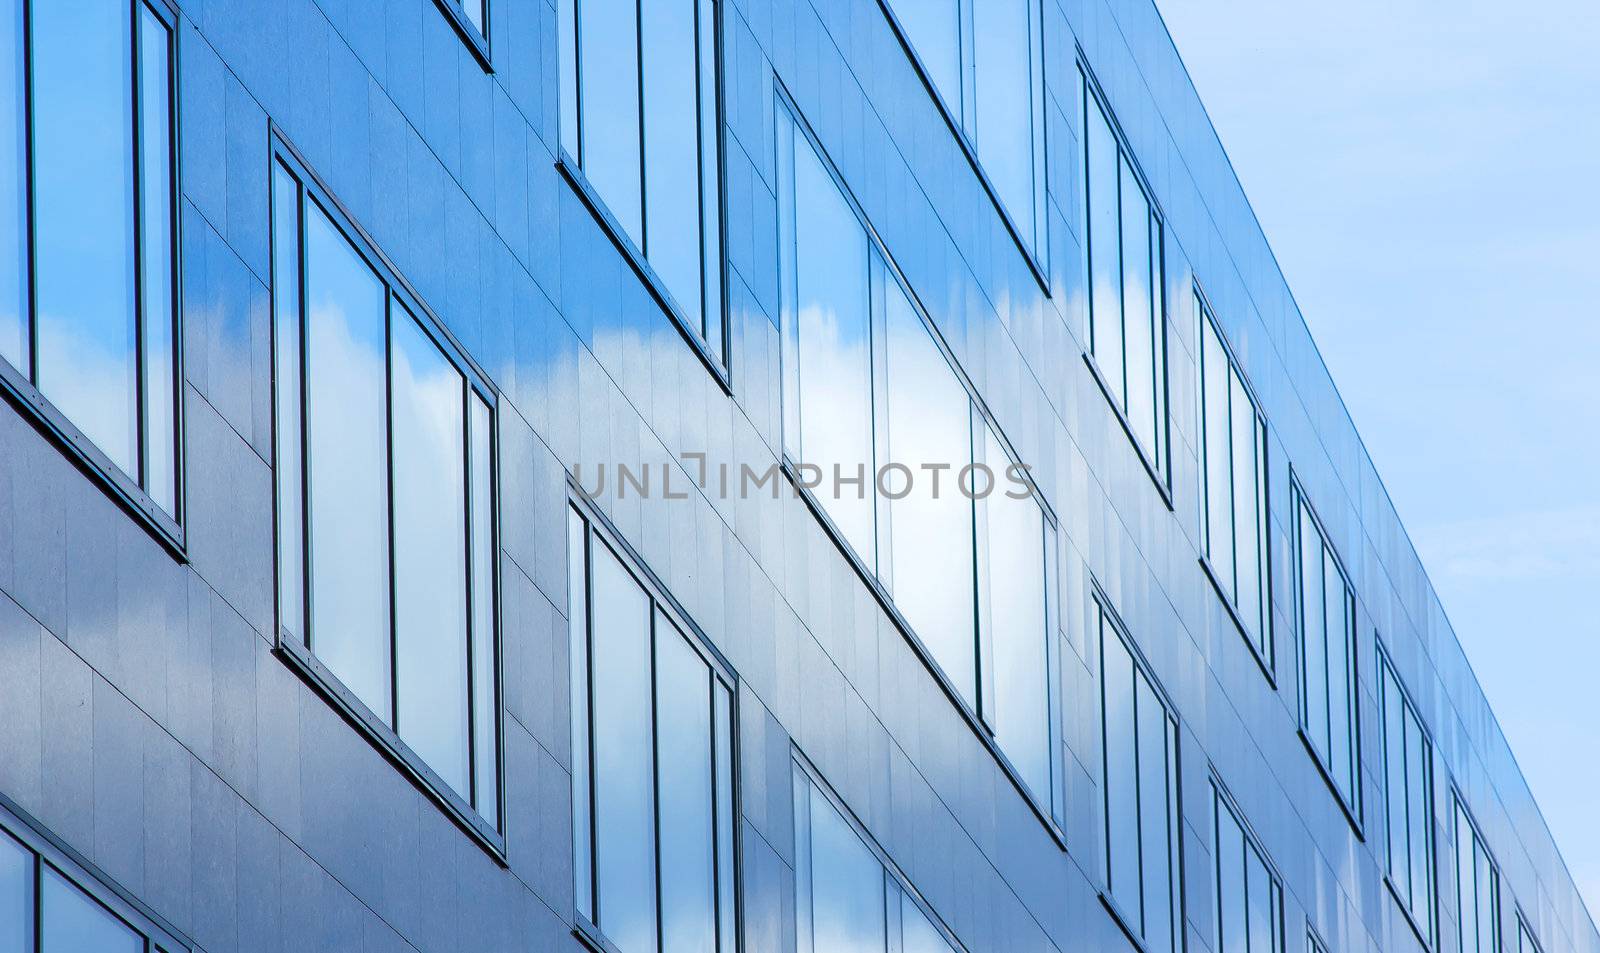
{"x":984,"y":59}
{"x":1127,"y":320}
{"x":1141,"y":794}
{"x":70,"y":920}
{"x":849,"y":899}
{"x":16,"y":896}
{"x":882,"y":431}
{"x":635,"y":761}
{"x":643,"y":127}
{"x":1526,"y":943}
{"x":1325,"y":612}
{"x":1408,"y":800}
{"x":473,"y":14}
{"x":1249,"y":894}
{"x":1233,"y":485}
{"x":103,"y":352}
{"x":385,"y":482}
{"x":1477,"y":887}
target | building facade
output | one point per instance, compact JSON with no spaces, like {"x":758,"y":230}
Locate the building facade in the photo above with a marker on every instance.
{"x":470,"y":480}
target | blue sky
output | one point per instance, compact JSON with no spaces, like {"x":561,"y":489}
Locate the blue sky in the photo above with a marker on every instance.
{"x":1429,"y":176}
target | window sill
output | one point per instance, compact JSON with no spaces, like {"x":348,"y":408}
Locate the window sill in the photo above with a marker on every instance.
{"x":886,"y":602}
{"x":653,"y":282}
{"x":54,"y":425}
{"x":1244,"y":631}
{"x":475,"y":41}
{"x":1405,"y":911}
{"x":388,"y":743}
{"x":1338,"y":797}
{"x":1150,"y":468}
{"x":590,"y":936}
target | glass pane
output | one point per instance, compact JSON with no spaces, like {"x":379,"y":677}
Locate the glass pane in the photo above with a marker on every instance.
{"x":1122,"y":831}
{"x":608,"y":38}
{"x":710,"y":182}
{"x":934,"y":29}
{"x":347,"y":490}
{"x":1341,"y":726}
{"x":727,"y":818}
{"x":475,"y":14}
{"x":1231,"y":902}
{"x":683,"y":739}
{"x":16,"y":897}
{"x":578,"y":649}
{"x":1003,"y":78}
{"x":1153,"y":832}
{"x":1246,"y":532}
{"x":567,"y":28}
{"x":1016,"y":615}
{"x":623,"y":777}
{"x":834,"y":340}
{"x":71,"y":922}
{"x":430,"y":550}
{"x":672,"y":149}
{"x":286,"y":341}
{"x":1218,"y":448}
{"x":1394,"y":773}
{"x":1105,"y":249}
{"x":485,"y":705}
{"x":1419,"y":821}
{"x":917,"y":934}
{"x":83,"y":191}
{"x":156,"y":218}
{"x":13,"y":194}
{"x":1258,"y":884}
{"x":846,"y":886}
{"x":932,"y":553}
{"x":1313,"y":651}
{"x":1488,"y":894}
{"x":1136,"y":311}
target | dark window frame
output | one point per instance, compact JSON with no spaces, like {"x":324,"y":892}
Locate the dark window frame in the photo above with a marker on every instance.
{"x":1427,"y":934}
{"x":1268,"y":662}
{"x":476,"y":41}
{"x":598,"y":529}
{"x":1460,"y":811}
{"x":1141,"y":665}
{"x":1222,"y":799}
{"x":1526,"y":930}
{"x":1035,"y":252}
{"x":293,"y":649}
{"x":1044,"y":805}
{"x":1158,"y":461}
{"x":52,"y":853}
{"x":716,"y":357}
{"x":125,"y":489}
{"x":1355,"y":812}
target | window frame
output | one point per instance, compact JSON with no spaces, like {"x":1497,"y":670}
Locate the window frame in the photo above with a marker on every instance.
{"x":294,"y":650}
{"x":1141,"y":667}
{"x":1223,"y":799}
{"x":1525,"y":930}
{"x":598,"y":528}
{"x":126,"y":490}
{"x":803,"y":772}
{"x":1459,"y":811}
{"x":1157,"y":462}
{"x":717,"y":359}
{"x":1035,"y":252}
{"x":1045,"y":805}
{"x":1427,"y":935}
{"x":52,"y":853}
{"x":477,"y":41}
{"x":1268,"y":662}
{"x":1355,"y":813}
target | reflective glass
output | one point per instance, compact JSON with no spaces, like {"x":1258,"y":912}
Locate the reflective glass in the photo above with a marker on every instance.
{"x":71,"y":922}
{"x":1154,"y":794}
{"x":934,"y":29}
{"x":567,"y":29}
{"x":347,"y":489}
{"x":727,"y":817}
{"x":1394,"y":764}
{"x":286,"y":341}
{"x":156,"y":221}
{"x":1261,"y":916}
{"x":13,"y":191}
{"x":1466,"y":885}
{"x":578,"y":649}
{"x":1019,"y":642}
{"x":1136,"y":311}
{"x":847,"y":889}
{"x":1313,"y":647}
{"x":1105,"y":249}
{"x":485,"y":703}
{"x":1246,"y":532}
{"x":932,"y":551}
{"x":917,"y":934}
{"x":624,"y":805}
{"x":1232,"y":904}
{"x":672,"y":149}
{"x":1218,"y":449}
{"x":608,"y":62}
{"x":475,"y":11}
{"x":84,"y":196}
{"x":16,"y":896}
{"x":430,"y":541}
{"x":1488,"y":900}
{"x":1004,"y":89}
{"x":1122,"y":774}
{"x":710,"y":182}
{"x":684,"y":764}
{"x":1341,"y":700}
{"x":834,"y":359}
{"x":1419,"y":824}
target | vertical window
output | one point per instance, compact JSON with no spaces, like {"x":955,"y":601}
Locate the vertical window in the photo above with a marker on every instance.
{"x":850,"y":899}
{"x":1125,"y":265}
{"x":48,"y":904}
{"x":1526,"y":943}
{"x":1233,"y":487}
{"x":1325,"y":617}
{"x":908,"y":472}
{"x":1141,"y":794}
{"x":87,"y":185}
{"x":384,"y":441}
{"x":985,"y":61}
{"x":1249,"y":894}
{"x":652,"y":739}
{"x":471,"y":18}
{"x":641,"y":121}
{"x":1477,"y":887}
{"x":1408,"y":801}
